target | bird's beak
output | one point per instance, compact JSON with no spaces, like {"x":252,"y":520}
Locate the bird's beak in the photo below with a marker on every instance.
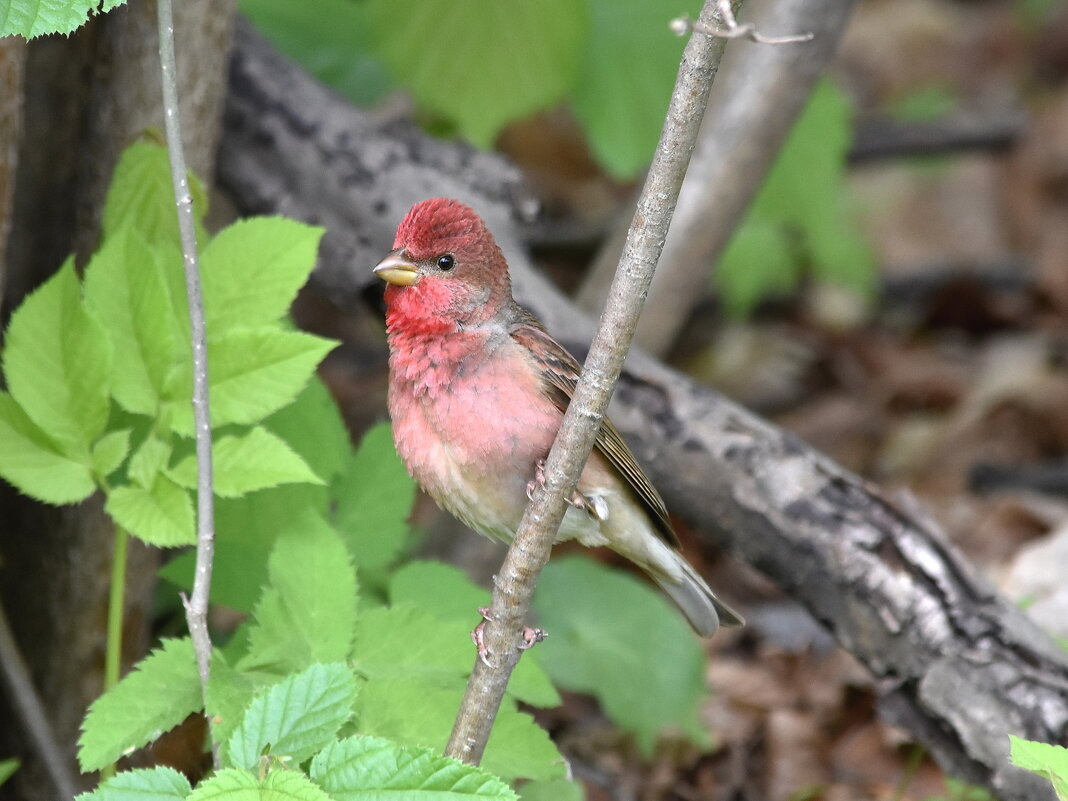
{"x":395,"y":269}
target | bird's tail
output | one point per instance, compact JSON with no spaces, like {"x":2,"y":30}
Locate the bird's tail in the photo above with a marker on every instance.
{"x":695,"y":598}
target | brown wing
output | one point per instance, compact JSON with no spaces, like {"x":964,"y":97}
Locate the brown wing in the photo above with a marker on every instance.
{"x":560,"y":372}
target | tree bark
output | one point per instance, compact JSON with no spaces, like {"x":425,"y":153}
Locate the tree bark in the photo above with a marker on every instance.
{"x":84,"y":99}
{"x":954,"y":663}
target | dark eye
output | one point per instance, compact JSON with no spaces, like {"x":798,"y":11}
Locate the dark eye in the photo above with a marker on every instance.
{"x":446,"y":262}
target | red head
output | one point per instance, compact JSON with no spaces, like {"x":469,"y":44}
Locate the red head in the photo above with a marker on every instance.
{"x":445,"y":270}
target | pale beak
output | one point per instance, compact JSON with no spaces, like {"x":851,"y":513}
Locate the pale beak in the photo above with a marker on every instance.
{"x":395,"y":269}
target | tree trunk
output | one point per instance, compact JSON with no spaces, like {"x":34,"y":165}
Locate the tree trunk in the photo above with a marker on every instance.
{"x":83,"y":100}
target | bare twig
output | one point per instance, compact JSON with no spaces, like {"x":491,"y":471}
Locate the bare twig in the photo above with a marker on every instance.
{"x":753,"y":106}
{"x":196,"y":606}
{"x":732,"y":30}
{"x":533,"y":541}
{"x":29,"y":707}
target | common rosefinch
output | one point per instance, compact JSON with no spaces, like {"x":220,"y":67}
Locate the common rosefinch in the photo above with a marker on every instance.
{"x":477,"y":392}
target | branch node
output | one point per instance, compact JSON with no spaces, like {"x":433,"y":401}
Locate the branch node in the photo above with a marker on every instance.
{"x":732,"y":29}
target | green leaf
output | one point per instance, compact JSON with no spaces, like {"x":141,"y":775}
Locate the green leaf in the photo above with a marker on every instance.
{"x":32,"y":463}
{"x":252,"y":270}
{"x":313,"y":427}
{"x":149,"y":460}
{"x":243,"y":464}
{"x":536,"y":45}
{"x":330,"y":38}
{"x":552,"y":790}
{"x":1049,"y":761}
{"x":161,"y":515}
{"x":146,"y":784}
{"x":31,"y":18}
{"x":625,"y":80}
{"x":374,"y":498}
{"x":253,"y":372}
{"x":308,"y":613}
{"x":125,"y":288}
{"x":245,"y":530}
{"x":7,"y":769}
{"x":160,"y":692}
{"x":758,"y":262}
{"x":447,"y":594}
{"x":295,"y":718}
{"x":109,"y":451}
{"x":141,"y":196}
{"x":800,"y":219}
{"x":614,"y":637}
{"x":517,"y":748}
{"x":370,"y":768}
{"x":56,"y":361}
{"x":239,"y":785}
{"x":435,"y":649}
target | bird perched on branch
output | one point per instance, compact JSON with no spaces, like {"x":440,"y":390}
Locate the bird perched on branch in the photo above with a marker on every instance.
{"x":477,"y":393}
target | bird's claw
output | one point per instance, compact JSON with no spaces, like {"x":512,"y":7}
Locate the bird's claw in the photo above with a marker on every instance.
{"x":531,"y":637}
{"x":593,"y":505}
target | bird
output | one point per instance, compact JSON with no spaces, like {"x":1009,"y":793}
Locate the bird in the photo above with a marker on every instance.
{"x":477,"y":392}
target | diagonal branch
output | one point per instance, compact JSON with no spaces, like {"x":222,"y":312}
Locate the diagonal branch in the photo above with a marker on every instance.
{"x":533,"y":541}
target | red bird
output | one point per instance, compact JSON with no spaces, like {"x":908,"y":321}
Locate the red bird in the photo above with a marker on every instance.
{"x":477,"y":392}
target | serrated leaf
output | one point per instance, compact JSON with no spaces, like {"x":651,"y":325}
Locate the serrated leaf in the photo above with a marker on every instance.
{"x":537,"y":45}
{"x":32,"y":18}
{"x":625,"y":79}
{"x":438,"y":650}
{"x":295,"y":718}
{"x":369,"y":768}
{"x":146,"y":784}
{"x":229,"y":693}
{"x":109,"y":451}
{"x":245,"y":463}
{"x":157,"y":695}
{"x":141,"y":196}
{"x":252,"y":270}
{"x":374,"y":499}
{"x":32,"y":463}
{"x":246,"y":530}
{"x":308,"y":612}
{"x":1049,"y":761}
{"x":56,"y":361}
{"x":517,"y":748}
{"x":253,"y":372}
{"x":614,"y":637}
{"x":125,"y":288}
{"x":149,"y":460}
{"x":162,"y":515}
{"x":239,"y":785}
{"x":446,"y":593}
{"x":313,"y":427}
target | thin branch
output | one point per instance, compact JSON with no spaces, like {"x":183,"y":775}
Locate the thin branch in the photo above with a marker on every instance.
{"x":732,"y":30}
{"x":533,"y":541}
{"x":196,"y":606}
{"x":29,"y":708}
{"x":753,"y":107}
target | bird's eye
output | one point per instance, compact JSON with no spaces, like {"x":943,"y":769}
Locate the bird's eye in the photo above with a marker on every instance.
{"x":446,"y":262}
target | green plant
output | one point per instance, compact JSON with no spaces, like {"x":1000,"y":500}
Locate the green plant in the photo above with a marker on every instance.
{"x":582,"y":54}
{"x":799,"y":223}
{"x":1048,"y":761}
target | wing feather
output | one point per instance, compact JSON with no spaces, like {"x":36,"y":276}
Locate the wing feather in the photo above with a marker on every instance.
{"x":560,"y":373}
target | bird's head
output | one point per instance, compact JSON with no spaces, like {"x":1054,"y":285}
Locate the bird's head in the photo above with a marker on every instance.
{"x":445,"y":270}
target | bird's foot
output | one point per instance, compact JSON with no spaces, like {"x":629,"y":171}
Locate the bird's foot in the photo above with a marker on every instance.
{"x":531,"y":637}
{"x":593,"y":505}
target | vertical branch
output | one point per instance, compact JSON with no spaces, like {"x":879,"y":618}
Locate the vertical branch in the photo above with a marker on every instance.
{"x":533,"y":541}
{"x":196,"y":606}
